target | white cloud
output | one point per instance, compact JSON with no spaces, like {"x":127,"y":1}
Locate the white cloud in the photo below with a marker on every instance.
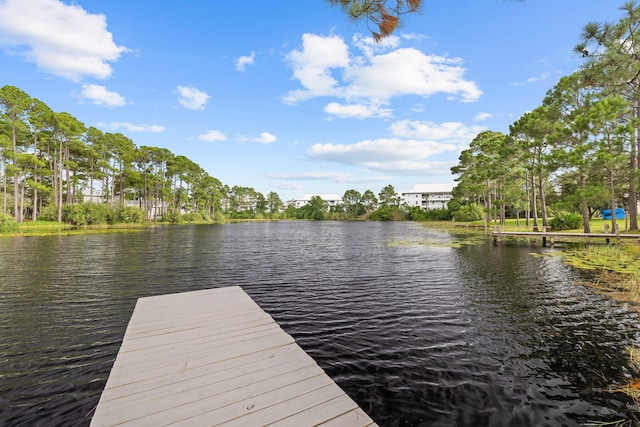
{"x":265,"y":138}
{"x":212,"y":136}
{"x":542,"y":76}
{"x":480,"y":117}
{"x":454,"y":132}
{"x":64,"y":40}
{"x":379,"y":150}
{"x":313,"y":64}
{"x":387,"y":156}
{"x":328,"y":176}
{"x":409,"y":151}
{"x":360,"y":111}
{"x":99,"y":95}
{"x":243,"y":61}
{"x":311,"y":176}
{"x":192,"y":98}
{"x":325,"y":67}
{"x":137,"y":128}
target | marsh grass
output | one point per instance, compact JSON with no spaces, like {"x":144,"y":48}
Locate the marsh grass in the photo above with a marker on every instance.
{"x":48,"y":228}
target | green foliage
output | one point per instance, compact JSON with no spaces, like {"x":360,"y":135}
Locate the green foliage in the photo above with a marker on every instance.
{"x":416,"y":213}
{"x":82,"y":214}
{"x":565,"y":221}
{"x":48,"y":213}
{"x":388,"y":213}
{"x":467,"y":213}
{"x":438,"y":214}
{"x":193,"y":217}
{"x":173,"y":217}
{"x":7,"y":222}
{"x":129,"y":215}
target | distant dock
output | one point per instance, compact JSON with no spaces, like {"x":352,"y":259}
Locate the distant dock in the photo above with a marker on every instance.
{"x":215,"y":358}
{"x":551,"y":237}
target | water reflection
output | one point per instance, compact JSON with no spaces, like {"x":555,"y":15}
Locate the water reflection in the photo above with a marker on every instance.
{"x":418,"y":333}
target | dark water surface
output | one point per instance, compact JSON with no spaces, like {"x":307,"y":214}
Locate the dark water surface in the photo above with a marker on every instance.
{"x":418,"y":332}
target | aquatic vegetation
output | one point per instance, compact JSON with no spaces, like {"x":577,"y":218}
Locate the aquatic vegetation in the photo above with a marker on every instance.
{"x":624,"y":258}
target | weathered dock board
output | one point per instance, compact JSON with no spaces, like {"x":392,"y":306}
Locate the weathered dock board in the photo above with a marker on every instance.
{"x":215,"y":358}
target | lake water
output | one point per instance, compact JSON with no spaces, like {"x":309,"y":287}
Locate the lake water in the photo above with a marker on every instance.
{"x":419,"y":328}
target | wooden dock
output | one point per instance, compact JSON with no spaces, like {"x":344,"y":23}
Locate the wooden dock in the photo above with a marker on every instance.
{"x":215,"y":358}
{"x":551,"y":236}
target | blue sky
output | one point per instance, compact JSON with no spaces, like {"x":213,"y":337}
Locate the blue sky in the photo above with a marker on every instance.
{"x":291,"y":96}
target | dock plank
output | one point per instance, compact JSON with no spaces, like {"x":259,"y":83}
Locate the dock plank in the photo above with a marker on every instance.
{"x":214,"y":357}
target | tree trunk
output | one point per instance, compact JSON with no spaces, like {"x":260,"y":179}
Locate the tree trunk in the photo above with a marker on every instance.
{"x":34,"y":213}
{"x":634,"y":160}
{"x":60,"y":167}
{"x":68,"y":176}
{"x":534,"y":204}
{"x":585,"y":207}
{"x":16,"y":195}
{"x":543,"y":203}
{"x":22,"y":202}
{"x":614,"y":224}
{"x":4,"y":182}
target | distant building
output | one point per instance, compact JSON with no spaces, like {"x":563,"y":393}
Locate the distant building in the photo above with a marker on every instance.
{"x":428,"y":196}
{"x":331,"y":200}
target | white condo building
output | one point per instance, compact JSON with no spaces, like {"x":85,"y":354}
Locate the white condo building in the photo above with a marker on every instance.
{"x":330,"y":199}
{"x":428,"y":196}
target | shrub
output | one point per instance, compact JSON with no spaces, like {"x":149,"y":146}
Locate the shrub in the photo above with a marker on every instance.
{"x":470,"y":212}
{"x":81,"y":214}
{"x":49,"y":213}
{"x":192,"y":217}
{"x":74,"y":214}
{"x":99,"y":213}
{"x":388,"y":213}
{"x":129,"y":215}
{"x":173,"y":217}
{"x":442,"y":214}
{"x":565,"y":221}
{"x":219,"y":217}
{"x":7,"y":222}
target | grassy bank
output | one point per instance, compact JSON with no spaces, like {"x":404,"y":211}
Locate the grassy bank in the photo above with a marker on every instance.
{"x":47,"y":228}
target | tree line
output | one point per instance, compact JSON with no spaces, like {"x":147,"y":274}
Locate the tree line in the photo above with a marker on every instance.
{"x":53,"y":167}
{"x":50,"y":161}
{"x":575,"y":154}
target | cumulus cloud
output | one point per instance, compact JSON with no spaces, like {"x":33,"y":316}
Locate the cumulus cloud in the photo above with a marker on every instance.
{"x":311,"y":176}
{"x":64,"y":40}
{"x":377,"y":151}
{"x":360,"y":111}
{"x":136,"y":128}
{"x":454,"y":132}
{"x":327,"y":67}
{"x":243,"y":61}
{"x":313,"y":66}
{"x":192,"y":98}
{"x":480,"y":117}
{"x":386,"y":156}
{"x":264,"y":138}
{"x":212,"y":136}
{"x":328,"y":176}
{"x":412,"y":149}
{"x":99,"y":95}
